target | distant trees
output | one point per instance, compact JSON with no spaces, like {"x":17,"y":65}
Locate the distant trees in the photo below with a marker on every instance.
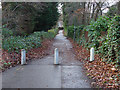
{"x":47,"y":18}
{"x":83,"y":12}
{"x":27,"y":17}
{"x":74,"y":13}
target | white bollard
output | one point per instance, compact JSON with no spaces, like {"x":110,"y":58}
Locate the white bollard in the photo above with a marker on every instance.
{"x":56,"y":56}
{"x":91,"y":54}
{"x":23,"y":57}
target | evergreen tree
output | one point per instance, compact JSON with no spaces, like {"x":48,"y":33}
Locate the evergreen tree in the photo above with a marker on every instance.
{"x":48,"y":17}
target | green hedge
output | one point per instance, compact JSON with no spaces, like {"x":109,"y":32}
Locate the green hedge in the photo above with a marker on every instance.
{"x":16,"y":43}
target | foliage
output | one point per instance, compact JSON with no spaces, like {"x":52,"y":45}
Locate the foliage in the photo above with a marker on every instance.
{"x":94,"y":31}
{"x":112,"y":11}
{"x":77,"y":30}
{"x":70,"y":31}
{"x":27,"y":17}
{"x":54,"y":31}
{"x":48,"y":18}
{"x":6,"y":32}
{"x":110,"y":48}
{"x":16,"y":43}
{"x":103,"y":35}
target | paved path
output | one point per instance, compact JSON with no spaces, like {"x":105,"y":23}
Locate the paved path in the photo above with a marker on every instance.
{"x":41,"y":73}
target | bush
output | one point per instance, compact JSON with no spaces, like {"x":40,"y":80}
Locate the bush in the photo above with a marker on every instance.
{"x":95,"y":30}
{"x":78,"y":30}
{"x":6,"y":32}
{"x":110,"y":48}
{"x":54,"y":31}
{"x":70,"y":31}
{"x":16,"y":43}
{"x":107,"y":44}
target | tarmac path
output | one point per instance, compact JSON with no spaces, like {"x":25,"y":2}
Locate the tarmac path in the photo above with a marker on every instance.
{"x":42,"y":73}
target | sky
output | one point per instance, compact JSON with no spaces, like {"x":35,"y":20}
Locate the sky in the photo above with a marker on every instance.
{"x":112,"y":2}
{"x":60,"y":8}
{"x":0,"y":4}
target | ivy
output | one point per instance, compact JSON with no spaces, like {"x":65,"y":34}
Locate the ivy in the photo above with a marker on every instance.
{"x":16,"y":43}
{"x":112,"y":41}
{"x":103,"y":35}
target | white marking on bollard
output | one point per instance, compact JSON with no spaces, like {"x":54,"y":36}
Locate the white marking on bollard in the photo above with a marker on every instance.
{"x":23,"y":57}
{"x":91,"y":54}
{"x":56,"y":56}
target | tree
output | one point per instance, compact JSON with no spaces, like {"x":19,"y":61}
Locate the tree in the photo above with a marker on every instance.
{"x":48,"y":17}
{"x":27,"y":17}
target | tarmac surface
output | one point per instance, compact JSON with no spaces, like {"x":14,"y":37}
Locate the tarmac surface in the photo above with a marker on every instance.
{"x":42,"y":73}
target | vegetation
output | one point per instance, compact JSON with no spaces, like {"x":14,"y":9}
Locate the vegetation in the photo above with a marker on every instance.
{"x":103,"y":35}
{"x":29,"y":26}
{"x":16,"y":43}
{"x":36,"y":42}
{"x":26,"y":17}
{"x":46,"y":19}
{"x":112,"y":11}
{"x":89,"y":26}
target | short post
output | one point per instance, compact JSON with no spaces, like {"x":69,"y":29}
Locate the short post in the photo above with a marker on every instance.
{"x":56,"y":56}
{"x":74,"y":34}
{"x":91,"y":54}
{"x":23,"y":57}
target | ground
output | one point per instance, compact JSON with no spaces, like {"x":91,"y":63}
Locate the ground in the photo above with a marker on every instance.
{"x":42,"y":73}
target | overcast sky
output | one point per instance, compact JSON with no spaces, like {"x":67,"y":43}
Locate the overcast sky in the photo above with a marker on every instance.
{"x":112,"y":2}
{"x":60,"y":8}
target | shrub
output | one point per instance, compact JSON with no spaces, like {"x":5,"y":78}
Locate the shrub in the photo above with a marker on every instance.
{"x":70,"y":31}
{"x":78,"y":30}
{"x":107,"y":44}
{"x":6,"y":32}
{"x":94,"y":31}
{"x":16,"y":43}
{"x":54,"y":31}
{"x":110,"y":48}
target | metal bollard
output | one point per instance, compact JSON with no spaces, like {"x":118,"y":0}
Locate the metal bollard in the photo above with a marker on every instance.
{"x":23,"y":57}
{"x":56,"y":56}
{"x":91,"y":54}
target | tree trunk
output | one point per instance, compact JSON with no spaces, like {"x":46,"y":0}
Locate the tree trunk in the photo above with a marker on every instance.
{"x":96,"y":14}
{"x":83,"y":18}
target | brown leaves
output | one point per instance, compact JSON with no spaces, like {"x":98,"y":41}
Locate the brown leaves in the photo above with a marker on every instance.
{"x":105,"y":75}
{"x":15,"y":58}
